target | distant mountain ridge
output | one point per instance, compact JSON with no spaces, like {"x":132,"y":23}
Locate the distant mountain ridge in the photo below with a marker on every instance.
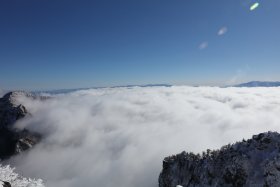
{"x":63,"y":91}
{"x":259,"y":84}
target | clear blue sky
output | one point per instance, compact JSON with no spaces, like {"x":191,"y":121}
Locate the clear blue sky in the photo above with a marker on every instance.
{"x":51,"y":44}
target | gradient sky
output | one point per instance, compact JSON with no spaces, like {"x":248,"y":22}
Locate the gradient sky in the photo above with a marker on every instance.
{"x":51,"y":44}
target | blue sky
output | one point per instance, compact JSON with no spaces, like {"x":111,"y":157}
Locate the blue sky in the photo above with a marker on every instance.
{"x":50,"y":44}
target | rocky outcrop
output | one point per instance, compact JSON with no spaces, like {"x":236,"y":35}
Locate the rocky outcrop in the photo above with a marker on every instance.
{"x":255,"y":162}
{"x":5,"y":184}
{"x":14,"y":141}
{"x":10,"y":109}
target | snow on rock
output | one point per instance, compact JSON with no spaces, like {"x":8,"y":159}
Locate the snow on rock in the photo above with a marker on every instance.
{"x":8,"y":178}
{"x":255,"y":162}
{"x":13,"y":141}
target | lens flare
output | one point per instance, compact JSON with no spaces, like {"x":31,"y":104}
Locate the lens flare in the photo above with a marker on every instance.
{"x":254,"y":6}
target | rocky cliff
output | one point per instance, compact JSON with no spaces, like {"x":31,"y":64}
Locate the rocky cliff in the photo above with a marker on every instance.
{"x":13,"y":141}
{"x":5,"y":184}
{"x":255,"y":162}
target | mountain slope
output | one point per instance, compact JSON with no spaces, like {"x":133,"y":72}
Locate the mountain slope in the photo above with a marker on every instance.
{"x":255,"y":162}
{"x":13,"y":141}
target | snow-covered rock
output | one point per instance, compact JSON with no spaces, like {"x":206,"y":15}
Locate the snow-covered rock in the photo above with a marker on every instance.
{"x":8,"y":178}
{"x":14,"y":141}
{"x":255,"y":162}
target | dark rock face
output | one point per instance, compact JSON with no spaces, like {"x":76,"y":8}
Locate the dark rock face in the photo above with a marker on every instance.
{"x":13,"y":141}
{"x":10,"y":110}
{"x":255,"y":162}
{"x":5,"y":184}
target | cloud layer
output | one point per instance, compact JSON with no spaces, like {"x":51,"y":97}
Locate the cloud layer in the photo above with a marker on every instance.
{"x":119,"y":137}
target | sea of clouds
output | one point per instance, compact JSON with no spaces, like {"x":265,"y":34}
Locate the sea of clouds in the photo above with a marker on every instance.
{"x":119,"y":136}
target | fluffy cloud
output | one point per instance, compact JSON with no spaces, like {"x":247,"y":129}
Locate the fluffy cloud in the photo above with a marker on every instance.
{"x":119,"y":137}
{"x":222,"y":31}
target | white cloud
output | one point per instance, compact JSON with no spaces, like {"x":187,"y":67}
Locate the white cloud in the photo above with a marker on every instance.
{"x":203,"y":45}
{"x":119,"y":137}
{"x":222,"y":31}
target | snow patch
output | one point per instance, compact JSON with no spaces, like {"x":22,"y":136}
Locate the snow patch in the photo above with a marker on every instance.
{"x":7,"y":174}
